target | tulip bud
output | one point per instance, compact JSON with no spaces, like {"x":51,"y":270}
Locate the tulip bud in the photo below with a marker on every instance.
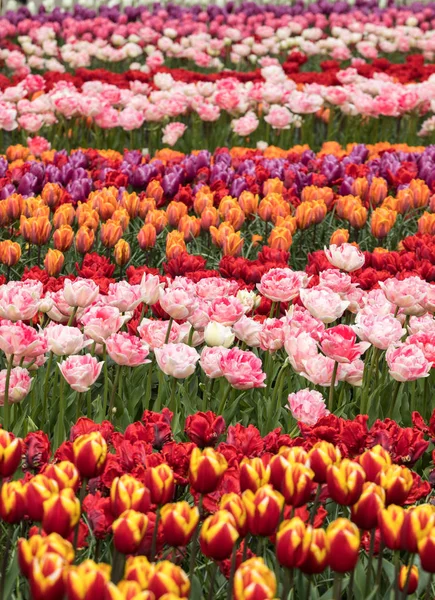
{"x":37,"y":490}
{"x":138,"y":569}
{"x":131,"y":203}
{"x":147,"y":236}
{"x":391,"y":521}
{"x":218,"y":535}
{"x":175,"y":211}
{"x":378,"y":191}
{"x":129,"y":530}
{"x":14,"y":206}
{"x":253,"y":474}
{"x":63,"y":238}
{"x":297,"y":484}
{"x":11,"y":450}
{"x":35,"y":230}
{"x":90,"y":454}
{"x":397,"y":482}
{"x":122,"y":217}
{"x":374,"y":461}
{"x":216,"y":334}
{"x":167,"y":578}
{"x":253,"y":580}
{"x":87,"y":581}
{"x":175,"y":244}
{"x":122,"y":252}
{"x":61,"y":512}
{"x":10,"y":253}
{"x":51,"y":194}
{"x":280,"y":238}
{"x":318,"y":551}
{"x":345,"y":482}
{"x":37,"y":546}
{"x":127,"y":493}
{"x":64,"y":473}
{"x":87,"y":217}
{"x":263,"y":509}
{"x":53,"y":262}
{"x":158,"y":219}
{"x":209,"y":218}
{"x":64,"y":216}
{"x":382,"y":222}
{"x":408,"y":579}
{"x":84,"y":240}
{"x":340,"y":236}
{"x":232,"y":245}
{"x":233,"y":503}
{"x":321,"y":455}
{"x":12,"y":501}
{"x":344,"y":542}
{"x":417,"y":525}
{"x":292,"y":542}
{"x":248,"y":202}
{"x":110,"y":232}
{"x":161,"y":484}
{"x":179,"y":521}
{"x":46,"y":577}
{"x":364,"y":512}
{"x":426,"y":551}
{"x":145,"y":205}
{"x":206,"y":469}
{"x":278,"y":466}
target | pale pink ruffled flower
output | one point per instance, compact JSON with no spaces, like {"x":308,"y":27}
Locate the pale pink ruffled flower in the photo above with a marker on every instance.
{"x":307,"y":406}
{"x":81,"y":371}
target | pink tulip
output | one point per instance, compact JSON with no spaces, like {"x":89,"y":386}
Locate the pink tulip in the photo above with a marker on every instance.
{"x":352,"y":373}
{"x":21,"y":340}
{"x":63,"y":340}
{"x":272,"y":335}
{"x":154,"y":332}
{"x":339,"y":343}
{"x":210,"y":288}
{"x":380,"y":330}
{"x":248,"y":330}
{"x":335,"y":280}
{"x":81,"y":292}
{"x":319,"y":370}
{"x":242,"y":369}
{"x":127,"y":349}
{"x":81,"y":371}
{"x":123,"y":296}
{"x":425,"y":340}
{"x":210,"y":361}
{"x":300,"y":347}
{"x":226,"y":310}
{"x":19,"y":385}
{"x":299,"y":319}
{"x":178,"y":303}
{"x":177,"y":360}
{"x":346,"y":257}
{"x":99,"y":322}
{"x":423,"y":323}
{"x":151,"y":288}
{"x":407,"y":294}
{"x":307,"y":406}
{"x":20,"y":300}
{"x":407,"y":362}
{"x":282,"y":285}
{"x":323,"y":303}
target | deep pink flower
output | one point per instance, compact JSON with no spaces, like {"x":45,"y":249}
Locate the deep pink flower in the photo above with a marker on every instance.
{"x":339,"y":343}
{"x":127,"y":349}
{"x":242,"y":369}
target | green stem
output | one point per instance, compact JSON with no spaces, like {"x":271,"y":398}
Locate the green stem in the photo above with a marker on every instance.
{"x":380,"y":558}
{"x":72,"y":317}
{"x":194,"y":549}
{"x":225,"y":398}
{"x":155,"y":532}
{"x":350,"y":587}
{"x":114,"y":388}
{"x":288,"y":583}
{"x":47,"y":379}
{"x":82,"y":497}
{"x":6,"y":402}
{"x":428,"y":593}
{"x":106,"y":380}
{"x":172,"y":404}
{"x":118,"y":562}
{"x":331,"y":389}
{"x":168,"y":331}
{"x":212,"y":580}
{"x":336,"y":594}
{"x":315,"y":504}
{"x":190,"y":338}
{"x":370,"y":561}
{"x":232,"y":571}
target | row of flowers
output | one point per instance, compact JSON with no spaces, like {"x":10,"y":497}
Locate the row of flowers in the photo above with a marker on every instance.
{"x":331,"y":502}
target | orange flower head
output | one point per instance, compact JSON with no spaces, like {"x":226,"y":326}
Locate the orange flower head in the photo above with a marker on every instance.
{"x":147,"y":236}
{"x":248,"y":202}
{"x":10,"y":253}
{"x":190,"y":227}
{"x":122,"y":252}
{"x":53,"y":262}
{"x":64,"y":215}
{"x":84,"y":240}
{"x":157,"y":218}
{"x":209,"y":218}
{"x":111,"y":232}
{"x":63,"y":238}
{"x":382,"y":222}
{"x":340,"y":236}
{"x":175,"y":244}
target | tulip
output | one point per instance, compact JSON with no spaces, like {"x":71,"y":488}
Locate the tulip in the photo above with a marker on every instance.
{"x":426,"y":551}
{"x":280,"y":238}
{"x":37,"y":546}
{"x":292,"y":542}
{"x":408,"y":579}
{"x":87,"y":581}
{"x":61,"y":512}
{"x":138,"y":569}
{"x":382,"y":222}
{"x":51,"y":194}
{"x":53,"y":262}
{"x":364,"y":512}
{"x":254,"y":580}
{"x":253,"y":474}
{"x":234,"y":504}
{"x":397,"y":482}
{"x":10,"y":253}
{"x":14,"y":206}
{"x":63,"y":238}
{"x":161,"y":484}
{"x":218,"y":535}
{"x":175,"y":244}
{"x":167,"y":578}
{"x":127,"y":493}
{"x":233,"y":244}
{"x":179,"y":521}
{"x":297,"y":484}
{"x":322,"y":455}
{"x":374,"y":461}
{"x":87,"y":217}
{"x":37,"y":490}
{"x":81,"y":371}
{"x":46,"y":577}
{"x":206,"y":469}
{"x":345,"y":482}
{"x":11,"y":450}
{"x":122,"y":252}
{"x":209,"y":218}
{"x":391,"y":520}
{"x":344,"y":541}
{"x":90,"y":454}
{"x":129,"y":529}
{"x":35,"y":230}
{"x":339,"y":237}
{"x":64,"y":216}
{"x":345,"y":257}
{"x":417,"y":525}
{"x":318,"y":552}
{"x":64,"y":473}
{"x":147,"y":236}
{"x":110,"y":233}
{"x":84,"y":240}
{"x":12,"y":501}
{"x":263,"y":509}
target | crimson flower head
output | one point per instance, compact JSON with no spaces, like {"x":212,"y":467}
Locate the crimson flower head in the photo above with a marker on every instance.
{"x":36,"y":450}
{"x":204,"y":428}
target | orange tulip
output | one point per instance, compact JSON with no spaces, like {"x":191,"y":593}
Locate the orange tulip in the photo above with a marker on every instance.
{"x":63,"y":238}
{"x":53,"y":262}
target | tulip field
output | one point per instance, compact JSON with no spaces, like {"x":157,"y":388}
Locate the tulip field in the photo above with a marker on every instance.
{"x":217,"y":300}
